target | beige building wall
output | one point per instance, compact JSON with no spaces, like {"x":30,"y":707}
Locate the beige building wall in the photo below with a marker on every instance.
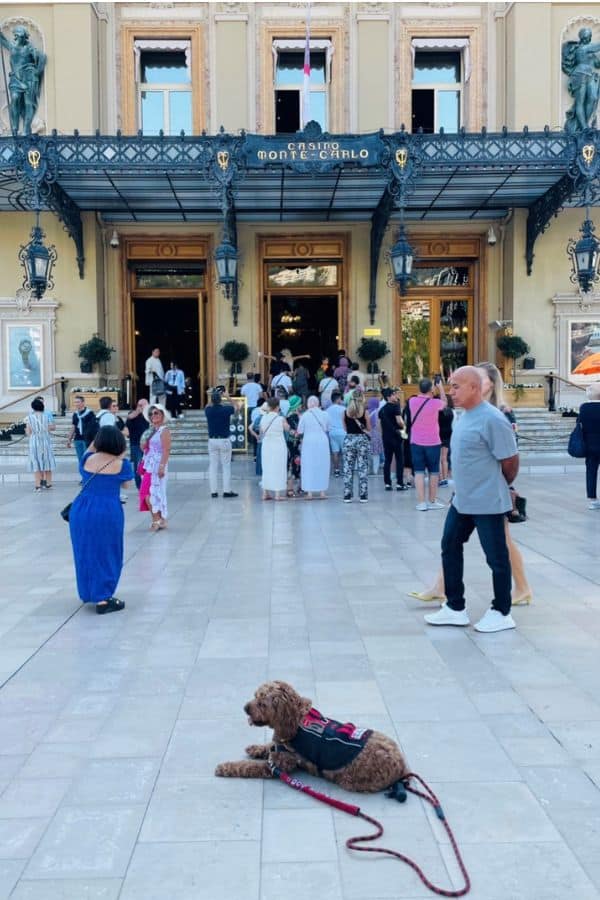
{"x":532,"y":295}
{"x":231,"y":74}
{"x":373,"y":81}
{"x":528,"y":70}
{"x":80,"y":301}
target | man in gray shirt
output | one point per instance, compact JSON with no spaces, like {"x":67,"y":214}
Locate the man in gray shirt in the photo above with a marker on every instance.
{"x":484,"y":462}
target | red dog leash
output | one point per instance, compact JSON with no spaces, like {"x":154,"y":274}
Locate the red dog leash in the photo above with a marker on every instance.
{"x":352,"y":810}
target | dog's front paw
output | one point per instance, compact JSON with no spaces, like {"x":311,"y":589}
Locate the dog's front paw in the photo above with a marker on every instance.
{"x":225,"y":770}
{"x":257,"y":751}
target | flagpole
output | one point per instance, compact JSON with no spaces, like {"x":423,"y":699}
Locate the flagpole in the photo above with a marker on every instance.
{"x":306,"y":77}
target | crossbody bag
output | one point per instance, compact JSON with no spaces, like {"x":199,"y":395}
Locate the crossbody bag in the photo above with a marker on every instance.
{"x":66,"y":511}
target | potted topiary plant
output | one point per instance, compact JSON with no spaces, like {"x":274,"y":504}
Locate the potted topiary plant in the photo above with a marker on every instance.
{"x":235,"y":352}
{"x":370,"y":350}
{"x":511,"y":346}
{"x":94,"y":352}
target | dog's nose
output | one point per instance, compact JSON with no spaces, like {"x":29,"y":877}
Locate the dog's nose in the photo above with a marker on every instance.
{"x":247,"y":709}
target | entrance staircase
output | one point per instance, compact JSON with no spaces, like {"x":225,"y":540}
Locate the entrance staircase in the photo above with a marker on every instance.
{"x":542,"y":433}
{"x":189,"y":437}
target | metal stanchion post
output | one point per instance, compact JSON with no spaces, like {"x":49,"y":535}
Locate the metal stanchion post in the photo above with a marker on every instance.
{"x":551,"y":394}
{"x":63,"y":402}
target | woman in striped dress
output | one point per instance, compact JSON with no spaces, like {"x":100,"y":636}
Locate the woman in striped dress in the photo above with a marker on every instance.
{"x":41,"y":455}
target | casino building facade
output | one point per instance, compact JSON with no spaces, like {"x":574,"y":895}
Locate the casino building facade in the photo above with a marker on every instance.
{"x":165,"y":132}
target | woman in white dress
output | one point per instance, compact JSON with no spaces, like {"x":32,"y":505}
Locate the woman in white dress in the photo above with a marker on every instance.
{"x":274,"y":452}
{"x":314,"y":453}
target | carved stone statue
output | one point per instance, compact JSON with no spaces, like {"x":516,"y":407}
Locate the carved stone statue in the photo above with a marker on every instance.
{"x":581,"y":61}
{"x":27,"y":65}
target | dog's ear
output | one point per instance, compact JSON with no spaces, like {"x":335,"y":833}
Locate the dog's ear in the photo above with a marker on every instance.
{"x":288,"y":709}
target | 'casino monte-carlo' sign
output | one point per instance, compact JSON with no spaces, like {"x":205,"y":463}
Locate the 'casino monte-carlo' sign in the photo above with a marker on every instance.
{"x":312,"y":151}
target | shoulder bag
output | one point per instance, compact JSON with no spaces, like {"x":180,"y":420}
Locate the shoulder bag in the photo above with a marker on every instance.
{"x":66,"y":511}
{"x":576,"y":446}
{"x":419,"y":411}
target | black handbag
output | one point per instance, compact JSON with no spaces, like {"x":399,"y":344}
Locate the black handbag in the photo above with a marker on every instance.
{"x":158,"y":387}
{"x":576,"y":445}
{"x":66,"y":510}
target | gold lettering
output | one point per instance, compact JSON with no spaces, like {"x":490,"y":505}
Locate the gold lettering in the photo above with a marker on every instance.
{"x":364,"y":154}
{"x":303,"y":153}
{"x":262,"y":154}
{"x":312,"y":146}
{"x":322,"y":154}
{"x":293,"y":154}
{"x":345,"y":154}
{"x":335,"y":154}
{"x":291,"y":146}
{"x":273,"y":154}
{"x":283,"y":154}
{"x":301,"y":146}
{"x":335,"y":145}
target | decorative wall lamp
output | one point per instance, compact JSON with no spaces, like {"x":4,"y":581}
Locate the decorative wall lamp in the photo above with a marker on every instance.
{"x":585,"y":256}
{"x":226,"y":260}
{"x":37,"y":261}
{"x":401,"y":258}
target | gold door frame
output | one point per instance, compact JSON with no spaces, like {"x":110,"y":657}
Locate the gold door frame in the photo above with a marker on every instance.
{"x":290,"y":249}
{"x":201,"y":303}
{"x":147,"y":249}
{"x":457,"y":250}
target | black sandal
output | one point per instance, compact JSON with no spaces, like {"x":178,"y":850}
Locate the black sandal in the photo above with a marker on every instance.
{"x":112,"y":605}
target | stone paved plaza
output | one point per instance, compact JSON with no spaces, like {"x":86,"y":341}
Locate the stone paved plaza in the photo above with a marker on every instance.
{"x":111,"y":727}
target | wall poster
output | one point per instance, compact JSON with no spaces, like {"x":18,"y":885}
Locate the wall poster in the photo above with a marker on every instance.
{"x":584,"y":340}
{"x":24,"y":356}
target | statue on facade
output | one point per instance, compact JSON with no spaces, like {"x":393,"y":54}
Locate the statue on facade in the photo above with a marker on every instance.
{"x":27,"y":65}
{"x":581,"y":62}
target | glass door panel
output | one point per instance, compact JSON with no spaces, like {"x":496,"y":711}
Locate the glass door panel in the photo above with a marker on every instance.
{"x":455,"y":338}
{"x":416,"y":339}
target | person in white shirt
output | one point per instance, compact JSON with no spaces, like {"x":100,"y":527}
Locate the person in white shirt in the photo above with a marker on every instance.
{"x":175,"y":382}
{"x":252,"y":391}
{"x":105,"y":415}
{"x":155,"y":377}
{"x":327,"y":386}
{"x":282,"y":380}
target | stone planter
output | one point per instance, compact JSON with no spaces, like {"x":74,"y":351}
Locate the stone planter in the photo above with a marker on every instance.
{"x":530,"y":397}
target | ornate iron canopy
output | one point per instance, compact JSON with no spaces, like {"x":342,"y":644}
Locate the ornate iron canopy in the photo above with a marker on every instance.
{"x":309,"y":176}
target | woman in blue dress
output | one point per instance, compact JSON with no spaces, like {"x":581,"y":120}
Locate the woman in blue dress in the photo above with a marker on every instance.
{"x":96,"y":521}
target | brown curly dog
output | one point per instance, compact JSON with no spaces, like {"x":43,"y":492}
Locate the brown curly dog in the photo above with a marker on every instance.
{"x":354,"y":758}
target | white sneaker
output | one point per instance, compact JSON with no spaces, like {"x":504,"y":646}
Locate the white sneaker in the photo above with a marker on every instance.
{"x":447,"y":616}
{"x":494,"y":621}
{"x":422,"y":507}
{"x":435,"y":504}
{"x":594,"y":504}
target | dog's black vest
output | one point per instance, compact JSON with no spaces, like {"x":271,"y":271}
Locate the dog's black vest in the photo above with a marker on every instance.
{"x":330,"y":745}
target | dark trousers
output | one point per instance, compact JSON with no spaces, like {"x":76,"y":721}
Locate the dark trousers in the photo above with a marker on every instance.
{"x":591,"y":475}
{"x":393,"y":448}
{"x":135,"y":455}
{"x":458,"y":528}
{"x":174,"y":404}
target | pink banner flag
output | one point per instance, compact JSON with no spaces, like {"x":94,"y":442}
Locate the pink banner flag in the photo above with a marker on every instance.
{"x":306,"y":79}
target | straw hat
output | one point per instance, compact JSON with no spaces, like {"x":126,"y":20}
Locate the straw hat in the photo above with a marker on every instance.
{"x":160,"y":407}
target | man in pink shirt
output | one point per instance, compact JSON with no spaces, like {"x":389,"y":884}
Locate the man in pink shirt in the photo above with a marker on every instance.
{"x":425,"y":442}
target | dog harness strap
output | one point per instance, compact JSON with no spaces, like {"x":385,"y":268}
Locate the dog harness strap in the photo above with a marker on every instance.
{"x":328,"y":744}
